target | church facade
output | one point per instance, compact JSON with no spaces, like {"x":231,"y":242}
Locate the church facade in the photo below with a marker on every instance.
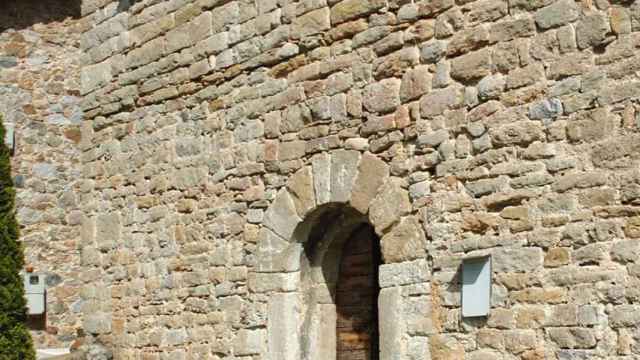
{"x":325,"y":179}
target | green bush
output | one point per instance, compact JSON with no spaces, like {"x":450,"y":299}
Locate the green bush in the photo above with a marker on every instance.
{"x":15,"y":341}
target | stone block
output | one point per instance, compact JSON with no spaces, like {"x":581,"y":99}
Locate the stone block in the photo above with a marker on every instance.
{"x":344,"y":167}
{"x":438,"y":101}
{"x":281,"y":217}
{"x":372,"y":173}
{"x":491,"y":86}
{"x":545,"y":109}
{"x":391,"y":202}
{"x":406,"y":241}
{"x":321,"y":165}
{"x":93,"y":77}
{"x":472,"y":66}
{"x":108,"y":230}
{"x":415,"y":83}
{"x":350,"y":9}
{"x":284,"y":312}
{"x":302,"y":191}
{"x":249,"y":342}
{"x":311,"y":23}
{"x":446,"y":347}
{"x":526,"y":259}
{"x":392,"y":324}
{"x":404,"y":273}
{"x":274,"y":282}
{"x":573,"y":338}
{"x":517,"y":133}
{"x":592,"y":30}
{"x":432,"y":51}
{"x":467,"y":40}
{"x":557,"y":14}
{"x":97,"y":323}
{"x":579,"y":180}
{"x":512,"y":29}
{"x":383,"y":96}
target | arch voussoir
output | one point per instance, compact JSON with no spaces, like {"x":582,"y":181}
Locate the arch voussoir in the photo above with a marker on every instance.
{"x":301,"y":187}
{"x":282,"y":217}
{"x":344,"y":167}
{"x":390,"y":204}
{"x":372,"y":173}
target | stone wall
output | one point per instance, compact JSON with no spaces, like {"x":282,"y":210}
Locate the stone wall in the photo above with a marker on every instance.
{"x":40,"y":97}
{"x":216,"y":130}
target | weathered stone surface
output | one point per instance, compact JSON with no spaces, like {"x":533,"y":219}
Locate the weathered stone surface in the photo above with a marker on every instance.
{"x":382,"y":97}
{"x":389,"y":205}
{"x":311,"y":23}
{"x":372,"y":173}
{"x":589,"y":126}
{"x":281,"y":217}
{"x":445,"y":347}
{"x":557,"y":14}
{"x":405,"y":241}
{"x":592,"y":30}
{"x":517,"y":259}
{"x":415,"y":83}
{"x":580,"y":180}
{"x":350,"y":9}
{"x":471,"y":66}
{"x":391,"y":330}
{"x":438,"y":101}
{"x":632,"y":227}
{"x":344,"y":167}
{"x":302,"y":191}
{"x":95,"y":76}
{"x":404,"y":273}
{"x":521,"y":132}
{"x":573,"y":338}
{"x":322,"y":178}
{"x":545,"y":109}
{"x":108,"y":230}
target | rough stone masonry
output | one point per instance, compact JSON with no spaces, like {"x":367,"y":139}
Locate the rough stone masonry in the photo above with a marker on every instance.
{"x":227,"y":145}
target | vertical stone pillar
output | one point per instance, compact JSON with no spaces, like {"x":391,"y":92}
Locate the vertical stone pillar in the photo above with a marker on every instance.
{"x":322,"y":334}
{"x":392,"y":324}
{"x":282,"y":328}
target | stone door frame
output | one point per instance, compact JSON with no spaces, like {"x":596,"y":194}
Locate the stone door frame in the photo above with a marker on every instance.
{"x":298,"y":290}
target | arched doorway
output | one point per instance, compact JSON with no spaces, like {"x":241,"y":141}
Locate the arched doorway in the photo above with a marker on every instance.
{"x":299,"y":254}
{"x":340,"y":286}
{"x":357,"y":297}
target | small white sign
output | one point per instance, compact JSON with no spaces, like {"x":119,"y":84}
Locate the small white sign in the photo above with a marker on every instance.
{"x":10,"y":137}
{"x":476,"y":286}
{"x":35,"y":290}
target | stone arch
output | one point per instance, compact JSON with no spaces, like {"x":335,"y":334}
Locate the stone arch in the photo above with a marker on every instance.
{"x":354,"y":188}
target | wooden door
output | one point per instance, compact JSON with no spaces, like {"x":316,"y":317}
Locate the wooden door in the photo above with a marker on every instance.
{"x":357,"y":298}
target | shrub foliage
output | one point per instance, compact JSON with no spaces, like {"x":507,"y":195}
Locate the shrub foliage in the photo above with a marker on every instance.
{"x":15,"y":341}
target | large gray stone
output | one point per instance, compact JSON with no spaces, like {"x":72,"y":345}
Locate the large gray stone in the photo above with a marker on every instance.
{"x":525,"y":259}
{"x":404,"y":273}
{"x":93,"y":77}
{"x":391,"y":203}
{"x":344,"y":166}
{"x":321,"y":165}
{"x":313,"y":22}
{"x":281,"y":217}
{"x":302,"y":191}
{"x":282,"y":327}
{"x":392,"y":324}
{"x":383,"y":96}
{"x":372,"y":173}
{"x":405,"y":242}
{"x":557,"y":14}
